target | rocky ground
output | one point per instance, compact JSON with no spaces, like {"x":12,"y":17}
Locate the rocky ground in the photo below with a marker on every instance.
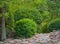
{"x":47,"y":38}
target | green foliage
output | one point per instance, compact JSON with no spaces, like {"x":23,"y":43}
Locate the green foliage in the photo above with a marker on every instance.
{"x":31,"y":14}
{"x":54,"y":24}
{"x":43,"y":12}
{"x":43,"y":27}
{"x":54,"y":8}
{"x":49,"y":26}
{"x":32,"y":9}
{"x":25,"y":28}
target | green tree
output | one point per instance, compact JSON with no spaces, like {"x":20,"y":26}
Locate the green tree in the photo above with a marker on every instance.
{"x":10,"y":10}
{"x":2,"y":11}
{"x":54,"y":8}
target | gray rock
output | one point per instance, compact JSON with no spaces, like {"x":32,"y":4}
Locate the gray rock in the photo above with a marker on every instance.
{"x":47,"y":38}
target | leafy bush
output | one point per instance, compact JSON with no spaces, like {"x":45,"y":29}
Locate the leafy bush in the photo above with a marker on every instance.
{"x":54,"y":26}
{"x":43,"y":27}
{"x":49,"y":26}
{"x":25,"y":28}
{"x":26,"y":13}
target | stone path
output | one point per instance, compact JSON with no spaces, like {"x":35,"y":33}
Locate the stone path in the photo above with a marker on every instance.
{"x":50,"y":38}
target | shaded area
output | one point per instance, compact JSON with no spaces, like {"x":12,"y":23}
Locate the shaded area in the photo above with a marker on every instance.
{"x":54,"y":26}
{"x":0,"y":28}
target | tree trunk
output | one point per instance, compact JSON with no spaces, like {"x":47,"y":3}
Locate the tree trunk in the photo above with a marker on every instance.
{"x":3,"y":26}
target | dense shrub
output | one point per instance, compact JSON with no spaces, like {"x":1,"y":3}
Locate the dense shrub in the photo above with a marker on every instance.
{"x":49,"y":26}
{"x":54,"y":26}
{"x":43,"y":27}
{"x":25,"y":28}
{"x":31,"y":14}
